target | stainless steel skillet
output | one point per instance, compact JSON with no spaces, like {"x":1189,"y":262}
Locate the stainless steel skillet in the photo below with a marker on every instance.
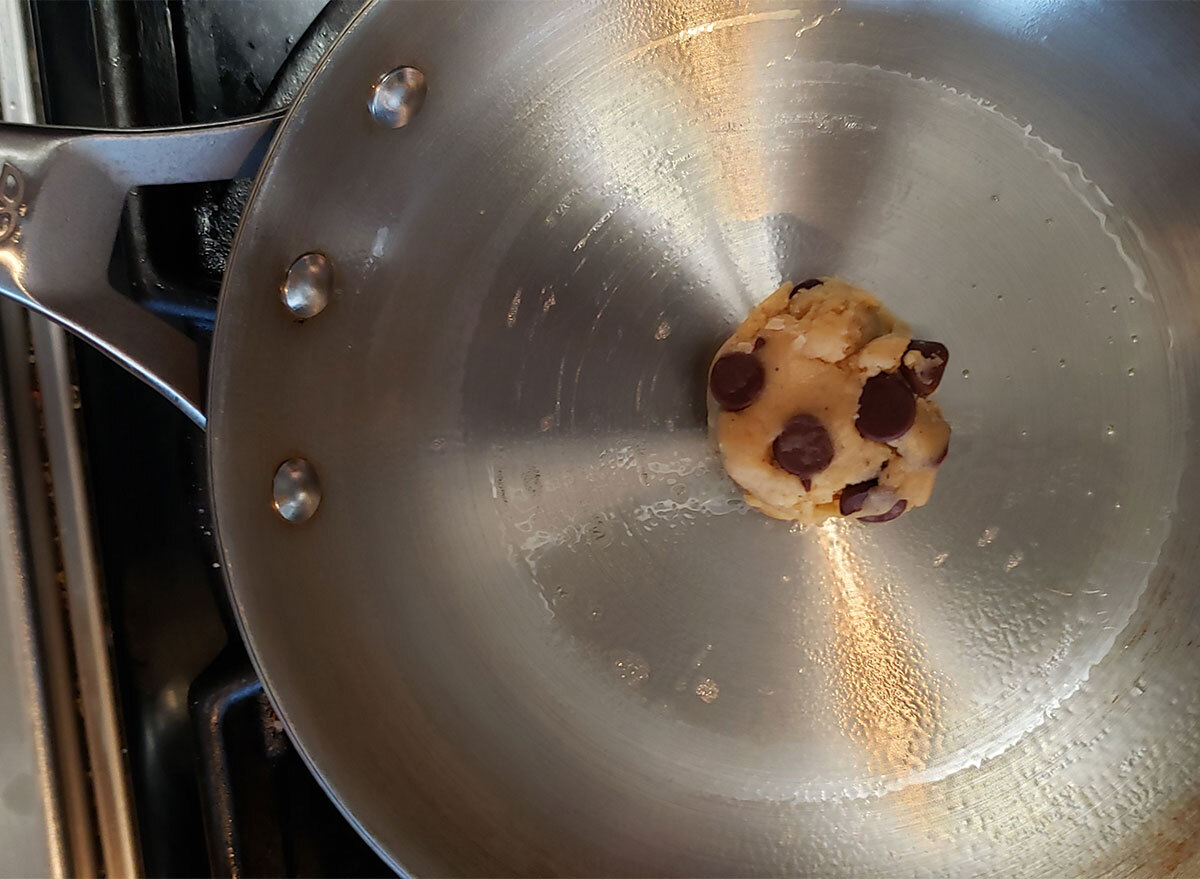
{"x":529,"y":628}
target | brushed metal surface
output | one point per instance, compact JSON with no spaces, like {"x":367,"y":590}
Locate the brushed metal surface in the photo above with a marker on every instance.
{"x":535,"y":630}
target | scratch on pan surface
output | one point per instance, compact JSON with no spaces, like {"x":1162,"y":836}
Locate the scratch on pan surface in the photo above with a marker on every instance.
{"x":510,"y":319}
{"x":810,"y":26}
{"x":604,"y":218}
{"x":690,"y":33}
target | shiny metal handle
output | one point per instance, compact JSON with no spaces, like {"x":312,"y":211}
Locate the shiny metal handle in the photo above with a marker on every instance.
{"x":61,"y":196}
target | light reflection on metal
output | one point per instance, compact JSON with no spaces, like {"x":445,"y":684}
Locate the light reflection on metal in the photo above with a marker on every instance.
{"x":885,"y":699}
{"x":11,"y":263}
{"x":699,"y":73}
{"x":705,"y":63}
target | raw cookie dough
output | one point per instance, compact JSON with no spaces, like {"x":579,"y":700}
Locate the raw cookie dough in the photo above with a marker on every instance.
{"x":819,"y":405}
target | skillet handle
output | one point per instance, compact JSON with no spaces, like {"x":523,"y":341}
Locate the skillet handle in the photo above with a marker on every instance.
{"x":61,"y":196}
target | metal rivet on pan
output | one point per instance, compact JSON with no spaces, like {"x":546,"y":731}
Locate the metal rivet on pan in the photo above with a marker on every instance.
{"x":306,"y":288}
{"x":398,"y":97}
{"x":296,"y":491}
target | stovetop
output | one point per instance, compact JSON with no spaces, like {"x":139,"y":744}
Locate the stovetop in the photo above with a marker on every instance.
{"x":216,"y":785}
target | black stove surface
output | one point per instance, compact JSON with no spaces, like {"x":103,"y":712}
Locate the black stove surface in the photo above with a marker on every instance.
{"x":218,"y":788}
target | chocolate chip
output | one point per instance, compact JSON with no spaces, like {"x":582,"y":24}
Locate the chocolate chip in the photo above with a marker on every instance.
{"x":886,"y":408}
{"x":926,"y":377}
{"x":759,"y":342}
{"x":805,"y":285}
{"x":854,"y":496}
{"x":736,"y":380}
{"x":891,"y":514}
{"x":807,"y":483}
{"x":803,"y":448}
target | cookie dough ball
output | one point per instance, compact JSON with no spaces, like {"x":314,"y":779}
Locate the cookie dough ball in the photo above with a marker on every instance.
{"x":820,"y":406}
